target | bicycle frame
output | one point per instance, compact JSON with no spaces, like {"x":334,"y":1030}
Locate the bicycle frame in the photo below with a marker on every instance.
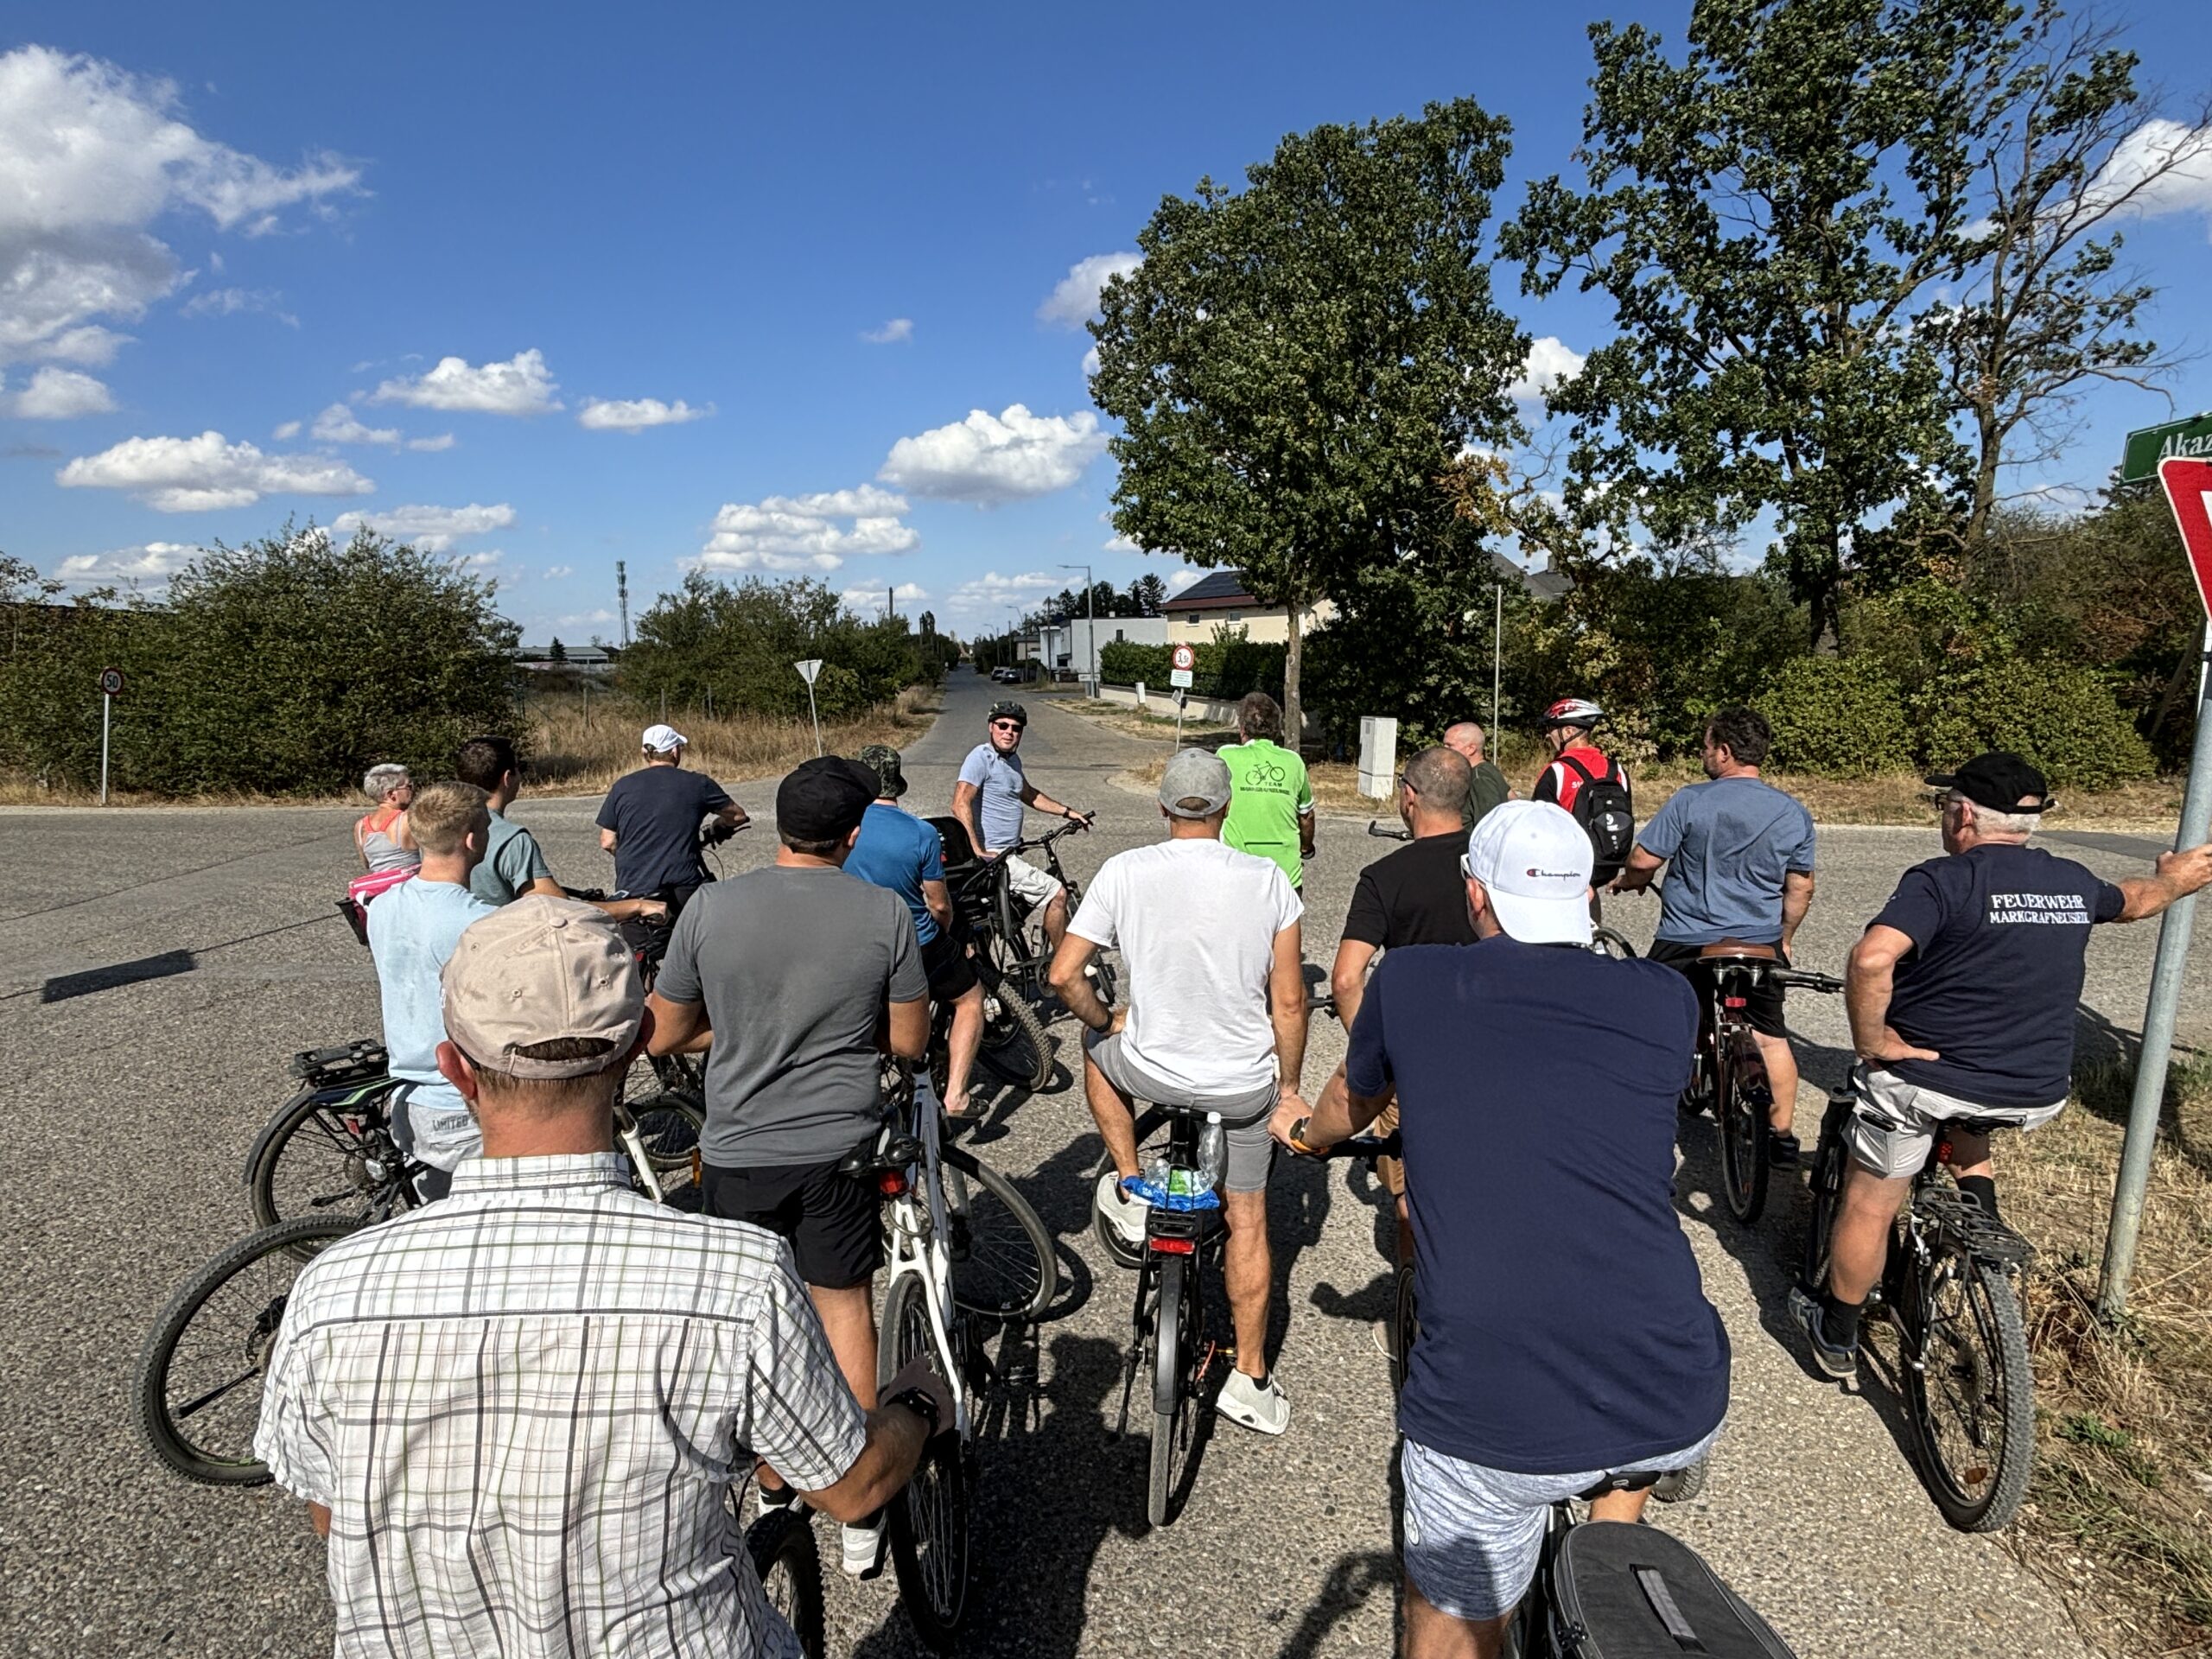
{"x":917,"y":1238}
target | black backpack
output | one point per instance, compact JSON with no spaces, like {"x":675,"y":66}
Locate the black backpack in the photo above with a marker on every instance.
{"x":1603,"y":808}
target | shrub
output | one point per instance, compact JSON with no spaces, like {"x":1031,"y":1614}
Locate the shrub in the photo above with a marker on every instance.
{"x":1229,"y":665}
{"x":2059,"y":716}
{"x":1124,"y":662}
{"x":1836,"y":717}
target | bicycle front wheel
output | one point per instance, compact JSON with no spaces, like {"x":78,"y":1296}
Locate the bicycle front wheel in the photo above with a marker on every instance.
{"x":317,"y":1159}
{"x":668,"y":1129}
{"x":1003,"y":1265}
{"x":1405,"y":1326}
{"x":197,"y":1395}
{"x":1015,"y":1047}
{"x":1972,"y":1400}
{"x":781,"y":1544}
{"x":1740,"y":1111}
{"x":928,"y":1521}
{"x":1174,"y":1386}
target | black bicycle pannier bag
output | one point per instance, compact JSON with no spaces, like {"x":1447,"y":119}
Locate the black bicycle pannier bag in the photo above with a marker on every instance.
{"x":1621,"y":1591}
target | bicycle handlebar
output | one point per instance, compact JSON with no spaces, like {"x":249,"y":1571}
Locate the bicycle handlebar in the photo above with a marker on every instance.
{"x":1370,"y":1147}
{"x":1803,"y":980}
{"x":1073,"y":826}
{"x":1374,"y":828}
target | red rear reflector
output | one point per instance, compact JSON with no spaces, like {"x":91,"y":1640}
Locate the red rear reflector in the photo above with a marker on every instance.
{"x":892,"y":1183}
{"x":1735,"y":1002}
{"x":1175,"y":1246}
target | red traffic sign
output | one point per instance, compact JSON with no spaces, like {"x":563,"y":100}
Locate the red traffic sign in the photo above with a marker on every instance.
{"x":2188,"y":484}
{"x":1184,"y":658}
{"x":111,"y":682}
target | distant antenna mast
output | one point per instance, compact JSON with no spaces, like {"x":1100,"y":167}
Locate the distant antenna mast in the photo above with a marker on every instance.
{"x":622,"y":598}
{"x":891,"y":601}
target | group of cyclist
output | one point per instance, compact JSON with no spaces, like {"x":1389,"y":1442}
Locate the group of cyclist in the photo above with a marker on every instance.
{"x":1564,"y":1335}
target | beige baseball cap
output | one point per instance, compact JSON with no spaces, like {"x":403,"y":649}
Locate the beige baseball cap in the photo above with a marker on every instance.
{"x":537,"y":970}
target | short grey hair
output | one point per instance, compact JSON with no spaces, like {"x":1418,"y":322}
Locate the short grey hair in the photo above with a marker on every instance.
{"x":381,"y":780}
{"x":1995,"y":822}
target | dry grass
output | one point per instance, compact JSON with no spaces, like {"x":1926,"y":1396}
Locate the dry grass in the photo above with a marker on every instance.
{"x":2120,"y":1510}
{"x":580,"y":748}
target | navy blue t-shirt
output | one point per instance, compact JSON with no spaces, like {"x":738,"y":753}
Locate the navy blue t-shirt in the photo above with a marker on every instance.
{"x":1998,"y":936}
{"x":1563,"y":1326}
{"x":899,"y":851}
{"x":655,"y":813}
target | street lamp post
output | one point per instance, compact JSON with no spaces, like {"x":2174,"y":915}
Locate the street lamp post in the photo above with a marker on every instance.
{"x":1091,"y":620}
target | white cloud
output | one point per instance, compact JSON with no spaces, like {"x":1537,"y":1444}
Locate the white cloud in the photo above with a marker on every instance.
{"x":635,"y":414}
{"x":198,"y":474}
{"x":1090,"y":363}
{"x":434,"y":529}
{"x":865,"y":599}
{"x":91,"y":156}
{"x":992,"y":592}
{"x":2186,"y":187}
{"x":896,"y":332}
{"x":807,"y":532}
{"x":1074,"y":300}
{"x":337,"y":424}
{"x":56,"y":395}
{"x":555,"y":572}
{"x":443,"y":441}
{"x":1550,"y":361}
{"x":286,"y":431}
{"x":521,"y":386}
{"x":229,"y":302}
{"x":1183,"y":578}
{"x":584,"y":618}
{"x":149,"y":565}
{"x":990,"y":458}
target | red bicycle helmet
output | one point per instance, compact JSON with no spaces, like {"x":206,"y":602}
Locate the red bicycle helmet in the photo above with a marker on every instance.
{"x":1572,"y":711}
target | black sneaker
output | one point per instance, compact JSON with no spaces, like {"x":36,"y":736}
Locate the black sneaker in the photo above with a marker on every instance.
{"x":1783,"y":1151}
{"x":1841,"y":1364}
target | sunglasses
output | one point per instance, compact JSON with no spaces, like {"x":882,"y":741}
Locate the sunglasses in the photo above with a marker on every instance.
{"x":1006,"y":725}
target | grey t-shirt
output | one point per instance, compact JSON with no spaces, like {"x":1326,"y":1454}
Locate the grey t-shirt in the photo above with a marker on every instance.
{"x":511,"y":862}
{"x":999,"y":780}
{"x":794,"y":966}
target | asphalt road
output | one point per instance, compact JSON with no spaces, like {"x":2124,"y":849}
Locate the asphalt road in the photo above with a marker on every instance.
{"x":158,"y":967}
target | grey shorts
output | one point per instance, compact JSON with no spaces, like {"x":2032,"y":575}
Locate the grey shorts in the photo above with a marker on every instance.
{"x":1251,"y":1149}
{"x":1473,"y":1533}
{"x":1896,"y":1122}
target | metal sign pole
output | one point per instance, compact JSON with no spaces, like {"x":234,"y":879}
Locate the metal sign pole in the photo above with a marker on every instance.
{"x":107,"y":703}
{"x":814,"y":715}
{"x":1496,"y":655}
{"x":1179,"y":716}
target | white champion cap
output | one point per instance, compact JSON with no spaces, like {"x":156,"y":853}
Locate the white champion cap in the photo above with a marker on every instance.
{"x":1534,"y":859}
{"x":662,"y":738}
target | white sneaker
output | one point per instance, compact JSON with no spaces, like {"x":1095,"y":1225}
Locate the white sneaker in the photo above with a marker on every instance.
{"x":769,"y":1499}
{"x":1124,"y":1213}
{"x":863,"y":1549}
{"x":1254,"y":1404}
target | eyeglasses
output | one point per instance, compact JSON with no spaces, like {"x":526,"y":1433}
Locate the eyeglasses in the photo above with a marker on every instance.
{"x":1006,"y":725}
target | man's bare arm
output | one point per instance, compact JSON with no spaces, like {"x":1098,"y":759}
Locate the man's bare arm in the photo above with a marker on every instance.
{"x":2177,"y":875}
{"x":936,"y":899}
{"x":1287,"y":1008}
{"x":1348,"y":979}
{"x":1338,"y":1116}
{"x":607,"y":841}
{"x":1073,"y":987}
{"x":907,"y":1027}
{"x":1635,"y":875}
{"x":964,"y":798}
{"x":1796,"y":900}
{"x":678,"y":1028}
{"x":1867,"y":986}
{"x":318,"y":1518}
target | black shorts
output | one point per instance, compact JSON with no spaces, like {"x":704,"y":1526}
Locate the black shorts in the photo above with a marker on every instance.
{"x":834,"y":1222}
{"x":1764,"y":1009}
{"x":952,"y":975}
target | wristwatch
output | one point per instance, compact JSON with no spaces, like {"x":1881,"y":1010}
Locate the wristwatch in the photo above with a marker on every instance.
{"x":921,"y":1403}
{"x":1298,"y":1133}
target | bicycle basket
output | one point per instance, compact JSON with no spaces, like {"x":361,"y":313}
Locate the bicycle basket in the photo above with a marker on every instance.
{"x":1622,"y":1590}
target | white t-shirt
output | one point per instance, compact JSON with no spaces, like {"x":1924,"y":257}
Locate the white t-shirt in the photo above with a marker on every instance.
{"x":1196,"y":924}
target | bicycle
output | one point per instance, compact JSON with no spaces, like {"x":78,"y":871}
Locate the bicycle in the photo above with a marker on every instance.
{"x":1729,"y":1070}
{"x":1949,"y":1289}
{"x":922,"y":1315}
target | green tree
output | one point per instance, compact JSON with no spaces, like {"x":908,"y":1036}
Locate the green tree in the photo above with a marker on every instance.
{"x":557,"y":652}
{"x":1769,"y":217}
{"x":1294,"y":363}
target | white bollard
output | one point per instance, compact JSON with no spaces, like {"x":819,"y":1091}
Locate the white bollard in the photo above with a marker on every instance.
{"x":1140,"y":703}
{"x":1378,"y":755}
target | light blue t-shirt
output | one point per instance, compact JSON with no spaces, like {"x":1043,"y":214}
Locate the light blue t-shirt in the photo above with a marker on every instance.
{"x":511,"y":862}
{"x":413,"y":928}
{"x":1728,"y":843}
{"x":1001,"y":779}
{"x":899,"y":851}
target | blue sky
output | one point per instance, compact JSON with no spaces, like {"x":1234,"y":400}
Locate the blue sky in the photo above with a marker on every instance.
{"x":550,"y":287}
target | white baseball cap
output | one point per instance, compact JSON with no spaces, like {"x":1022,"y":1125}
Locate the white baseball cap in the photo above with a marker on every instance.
{"x":1534,"y":859}
{"x":661,"y":738}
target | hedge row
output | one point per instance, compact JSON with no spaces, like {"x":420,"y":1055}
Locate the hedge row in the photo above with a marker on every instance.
{"x":1229,"y":665}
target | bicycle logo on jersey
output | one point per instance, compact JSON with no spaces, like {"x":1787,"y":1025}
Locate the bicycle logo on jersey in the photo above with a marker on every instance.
{"x":1264,"y":773}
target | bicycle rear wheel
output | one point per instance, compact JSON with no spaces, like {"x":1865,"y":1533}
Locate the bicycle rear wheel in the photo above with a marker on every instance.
{"x":928,"y":1521}
{"x":317,"y":1158}
{"x":1828,"y":1161}
{"x":197,"y":1393}
{"x":1003,"y":1266}
{"x":1607,"y":942}
{"x":781,"y":1544}
{"x":1175,"y":1336}
{"x":1405,"y":1326}
{"x":669,"y":1126}
{"x":1739,"y":1110}
{"x":1972,"y":1401}
{"x":1014,"y":1047}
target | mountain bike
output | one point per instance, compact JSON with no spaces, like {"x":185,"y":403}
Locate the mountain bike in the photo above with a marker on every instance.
{"x":1949,"y":1288}
{"x":922,"y":1315}
{"x":1729,"y":1073}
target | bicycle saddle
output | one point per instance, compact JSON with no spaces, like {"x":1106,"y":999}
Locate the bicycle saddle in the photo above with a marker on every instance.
{"x":1740,"y":950}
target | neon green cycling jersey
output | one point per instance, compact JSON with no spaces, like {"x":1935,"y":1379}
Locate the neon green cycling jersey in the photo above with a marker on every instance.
{"x":1269,"y":793}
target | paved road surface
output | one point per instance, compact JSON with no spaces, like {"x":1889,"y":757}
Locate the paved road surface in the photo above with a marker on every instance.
{"x":157,"y":967}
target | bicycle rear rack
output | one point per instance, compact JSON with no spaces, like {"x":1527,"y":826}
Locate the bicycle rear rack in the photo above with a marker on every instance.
{"x":1985,"y":1238}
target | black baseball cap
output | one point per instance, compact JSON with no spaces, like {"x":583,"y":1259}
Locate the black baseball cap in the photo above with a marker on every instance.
{"x":1998,"y":780}
{"x":823,"y":800}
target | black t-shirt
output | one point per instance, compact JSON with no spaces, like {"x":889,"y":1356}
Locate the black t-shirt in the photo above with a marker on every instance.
{"x":1414,"y":896}
{"x":655,"y":813}
{"x":1563,"y":1326}
{"x":1998,"y":936}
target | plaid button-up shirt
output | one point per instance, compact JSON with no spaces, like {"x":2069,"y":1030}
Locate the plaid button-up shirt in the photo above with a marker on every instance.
{"x":523,"y":1406}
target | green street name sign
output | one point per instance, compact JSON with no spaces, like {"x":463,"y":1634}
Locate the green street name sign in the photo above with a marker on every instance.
{"x":2191,"y":438}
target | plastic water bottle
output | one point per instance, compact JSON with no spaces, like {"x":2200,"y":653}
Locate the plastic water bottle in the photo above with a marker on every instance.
{"x":1213,"y":1153}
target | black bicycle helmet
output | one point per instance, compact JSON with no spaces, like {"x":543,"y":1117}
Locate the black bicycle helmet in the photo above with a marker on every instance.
{"x":1571,"y":711}
{"x":1009,"y":711}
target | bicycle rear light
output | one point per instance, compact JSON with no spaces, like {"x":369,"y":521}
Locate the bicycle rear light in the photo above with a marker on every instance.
{"x":1174,"y":1246}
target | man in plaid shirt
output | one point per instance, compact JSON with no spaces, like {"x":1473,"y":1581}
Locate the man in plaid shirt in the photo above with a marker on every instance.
{"x":515,"y":1415}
